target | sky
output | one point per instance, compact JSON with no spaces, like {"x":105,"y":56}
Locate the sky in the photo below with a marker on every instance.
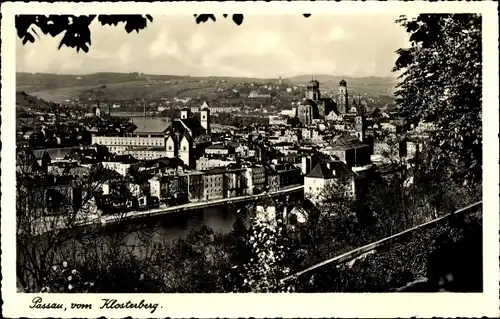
{"x":263,"y":46}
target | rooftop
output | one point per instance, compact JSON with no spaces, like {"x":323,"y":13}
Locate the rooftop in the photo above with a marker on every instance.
{"x":329,"y":169}
{"x":346,"y":141}
{"x":218,"y":146}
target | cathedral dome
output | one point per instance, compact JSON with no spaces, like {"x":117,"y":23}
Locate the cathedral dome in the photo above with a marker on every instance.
{"x":343,"y":83}
{"x":313,"y":84}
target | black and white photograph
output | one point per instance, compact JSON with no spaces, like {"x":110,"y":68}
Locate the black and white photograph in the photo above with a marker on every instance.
{"x":230,"y":153}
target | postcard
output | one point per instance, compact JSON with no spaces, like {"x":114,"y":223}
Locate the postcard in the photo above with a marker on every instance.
{"x":250,"y":159}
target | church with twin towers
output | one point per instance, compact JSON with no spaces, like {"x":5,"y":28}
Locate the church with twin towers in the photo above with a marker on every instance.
{"x":315,"y":107}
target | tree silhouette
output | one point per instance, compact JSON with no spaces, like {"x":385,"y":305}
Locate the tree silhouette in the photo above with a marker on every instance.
{"x":76,"y":29}
{"x":441,"y":84}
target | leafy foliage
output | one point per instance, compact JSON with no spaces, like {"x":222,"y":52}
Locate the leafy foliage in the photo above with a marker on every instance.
{"x":267,"y":264}
{"x":76,"y":29}
{"x":441,"y":83}
{"x":254,"y":257}
{"x":430,"y":254}
{"x":49,"y":217}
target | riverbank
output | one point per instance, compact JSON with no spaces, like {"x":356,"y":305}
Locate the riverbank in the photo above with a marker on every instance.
{"x":51,"y":223}
{"x":116,"y":218}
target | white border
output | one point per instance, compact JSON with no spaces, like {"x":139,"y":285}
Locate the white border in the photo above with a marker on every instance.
{"x":261,"y":305}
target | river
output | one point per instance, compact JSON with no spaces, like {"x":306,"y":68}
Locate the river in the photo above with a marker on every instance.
{"x":170,"y":226}
{"x":165,"y":228}
{"x":157,"y":124}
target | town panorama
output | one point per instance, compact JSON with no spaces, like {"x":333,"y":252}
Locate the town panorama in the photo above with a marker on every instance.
{"x":136,"y":182}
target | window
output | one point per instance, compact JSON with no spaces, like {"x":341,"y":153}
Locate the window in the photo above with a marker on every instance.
{"x":170,"y":148}
{"x":184,"y":148}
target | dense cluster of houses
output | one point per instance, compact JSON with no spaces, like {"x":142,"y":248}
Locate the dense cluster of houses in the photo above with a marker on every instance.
{"x":321,"y":142}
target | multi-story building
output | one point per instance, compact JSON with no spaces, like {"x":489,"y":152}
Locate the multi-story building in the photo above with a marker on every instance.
{"x":350,"y":150}
{"x":235,"y":183}
{"x":258,"y":174}
{"x":205,"y":163}
{"x":120,"y":164}
{"x":196,"y":186}
{"x":176,"y":140}
{"x":329,"y":176}
{"x":277,"y":120}
{"x":215,"y":109}
{"x":219,"y":149}
{"x":158,"y":187}
{"x":213,"y":184}
{"x":255,"y":179}
{"x":272,"y":179}
{"x":288,"y":175}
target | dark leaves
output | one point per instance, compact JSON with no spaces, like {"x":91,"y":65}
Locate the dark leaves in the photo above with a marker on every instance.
{"x":76,"y":29}
{"x":238,"y":19}
{"x":204,"y":17}
{"x":77,"y":33}
{"x":199,"y":18}
{"x":441,"y":84}
{"x":28,"y":38}
{"x":404,"y":60}
{"x":132,"y":22}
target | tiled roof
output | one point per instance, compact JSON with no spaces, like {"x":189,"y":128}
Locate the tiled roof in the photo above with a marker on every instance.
{"x":59,"y":152}
{"x":193,"y":124}
{"x":308,"y":102}
{"x":39,"y":153}
{"x":124,"y":158}
{"x":346,"y":141}
{"x":205,"y":105}
{"x":178,"y":125}
{"x":330,"y":169}
{"x":217,"y":146}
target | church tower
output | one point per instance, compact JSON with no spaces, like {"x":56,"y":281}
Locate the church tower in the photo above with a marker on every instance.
{"x":312,"y":92}
{"x":170,"y":146}
{"x":185,"y":113}
{"x":359,"y":125}
{"x":205,"y":119}
{"x":342,"y":99}
{"x":185,"y":147}
{"x":98,"y":110}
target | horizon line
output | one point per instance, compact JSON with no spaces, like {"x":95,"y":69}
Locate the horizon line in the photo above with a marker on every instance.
{"x":214,"y":76}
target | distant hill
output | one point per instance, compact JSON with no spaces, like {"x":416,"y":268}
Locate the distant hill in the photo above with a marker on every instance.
{"x":127,"y":86}
{"x":371,"y":85}
{"x":334,"y":80}
{"x":32,"y":82}
{"x":24,"y":101}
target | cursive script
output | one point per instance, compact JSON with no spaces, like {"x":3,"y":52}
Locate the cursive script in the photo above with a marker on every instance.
{"x":114,"y":304}
{"x":37,"y":303}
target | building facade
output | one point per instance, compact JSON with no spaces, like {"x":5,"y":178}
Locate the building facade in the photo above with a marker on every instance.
{"x":329,"y":178}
